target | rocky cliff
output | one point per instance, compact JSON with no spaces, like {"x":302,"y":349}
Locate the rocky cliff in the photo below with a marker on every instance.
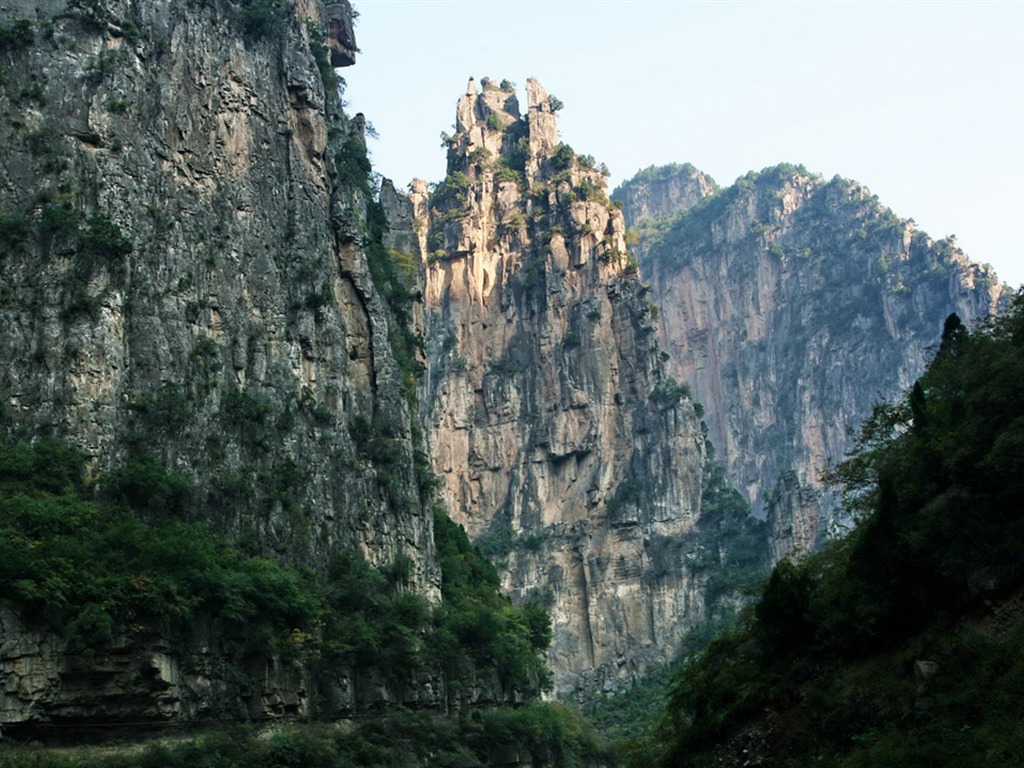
{"x":559,"y":439}
{"x":791,"y":304}
{"x":184,"y":280}
{"x":661,"y":190}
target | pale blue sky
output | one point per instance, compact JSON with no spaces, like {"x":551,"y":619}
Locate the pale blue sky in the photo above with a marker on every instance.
{"x":923,"y":102}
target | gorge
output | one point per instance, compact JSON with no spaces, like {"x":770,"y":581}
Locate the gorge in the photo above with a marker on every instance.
{"x":250,"y":393}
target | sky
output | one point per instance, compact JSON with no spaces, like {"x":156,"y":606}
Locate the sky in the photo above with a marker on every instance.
{"x":922,"y":102}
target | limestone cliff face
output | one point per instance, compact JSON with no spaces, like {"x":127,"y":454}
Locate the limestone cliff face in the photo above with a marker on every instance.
{"x":657,"y":191}
{"x":559,"y":441}
{"x":791,"y":305}
{"x":183,"y":275}
{"x":233,"y":294}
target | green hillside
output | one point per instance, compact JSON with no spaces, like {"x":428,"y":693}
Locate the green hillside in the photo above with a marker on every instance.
{"x":903,"y":643}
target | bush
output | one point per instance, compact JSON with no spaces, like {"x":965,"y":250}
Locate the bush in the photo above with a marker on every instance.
{"x":14,"y":231}
{"x":504,"y":173}
{"x":247,"y":414}
{"x":495,"y":122}
{"x":102,"y":64}
{"x":630,"y":492}
{"x":101,"y":243}
{"x":145,"y":487}
{"x":563,"y":157}
{"x":58,"y":221}
{"x":322,"y":56}
{"x":259,"y":18}
{"x":353,"y":165}
{"x":17,"y":35}
{"x":669,"y":393}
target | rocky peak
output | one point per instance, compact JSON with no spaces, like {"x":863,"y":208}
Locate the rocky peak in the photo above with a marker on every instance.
{"x":662,"y":191}
{"x":542,"y":122}
{"x":561,"y":444}
{"x":481,"y":117}
{"x":831,"y":303}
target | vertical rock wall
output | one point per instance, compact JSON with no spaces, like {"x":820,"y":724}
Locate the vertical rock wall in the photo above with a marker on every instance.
{"x":791,"y":305}
{"x":559,"y":442}
{"x":183,"y":279}
{"x":242,"y":332}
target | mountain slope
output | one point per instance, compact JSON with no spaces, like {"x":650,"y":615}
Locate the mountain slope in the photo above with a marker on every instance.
{"x":791,"y":304}
{"x":899,"y":645}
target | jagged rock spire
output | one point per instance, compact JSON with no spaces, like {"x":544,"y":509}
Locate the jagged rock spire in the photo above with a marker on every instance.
{"x":541,"y":118}
{"x":465,"y":113}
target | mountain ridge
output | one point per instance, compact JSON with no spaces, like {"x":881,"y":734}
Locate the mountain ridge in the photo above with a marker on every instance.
{"x":791,"y":304}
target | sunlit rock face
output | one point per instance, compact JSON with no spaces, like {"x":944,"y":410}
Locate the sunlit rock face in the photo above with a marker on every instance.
{"x":792,"y":304}
{"x":559,"y":441}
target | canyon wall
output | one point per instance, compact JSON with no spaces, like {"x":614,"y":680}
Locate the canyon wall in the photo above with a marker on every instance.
{"x":184,"y":281}
{"x":792,"y":304}
{"x":560,"y":442}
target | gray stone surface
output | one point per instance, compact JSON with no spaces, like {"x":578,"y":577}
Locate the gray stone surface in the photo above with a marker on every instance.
{"x":539,"y":401}
{"x":792,"y":304}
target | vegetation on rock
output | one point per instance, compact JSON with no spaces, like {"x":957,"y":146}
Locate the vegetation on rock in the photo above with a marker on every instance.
{"x":120,"y":556}
{"x":538,"y":734}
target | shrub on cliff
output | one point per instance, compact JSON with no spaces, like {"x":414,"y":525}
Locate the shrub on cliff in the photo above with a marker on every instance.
{"x":260,"y":17}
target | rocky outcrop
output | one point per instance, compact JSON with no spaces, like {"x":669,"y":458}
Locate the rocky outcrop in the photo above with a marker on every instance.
{"x":559,"y":441}
{"x":155,"y":676}
{"x":791,"y":304}
{"x":182,"y":220}
{"x":660,"y":190}
{"x":52,"y":691}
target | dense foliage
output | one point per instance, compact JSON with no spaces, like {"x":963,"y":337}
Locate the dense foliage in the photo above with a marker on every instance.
{"x":95,"y":561}
{"x":91,"y":569}
{"x":735,"y":550}
{"x":539,"y":734}
{"x":899,"y":645}
{"x":475,"y":620}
